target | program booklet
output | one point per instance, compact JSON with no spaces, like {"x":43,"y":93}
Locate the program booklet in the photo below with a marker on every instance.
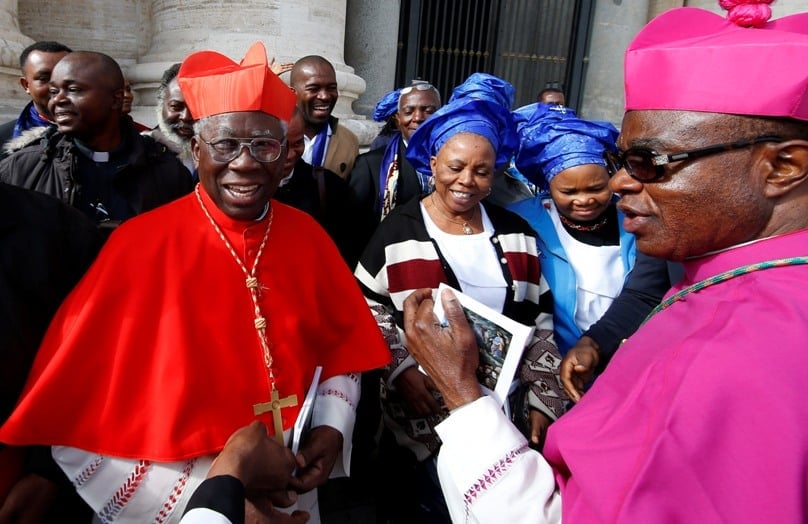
{"x":500,"y":339}
{"x":303,"y":421}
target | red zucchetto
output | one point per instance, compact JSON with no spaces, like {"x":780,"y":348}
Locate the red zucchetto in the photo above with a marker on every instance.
{"x":213,"y":84}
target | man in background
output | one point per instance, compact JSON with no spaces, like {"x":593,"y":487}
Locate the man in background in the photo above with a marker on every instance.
{"x":94,"y":158}
{"x":36,"y":63}
{"x":328,"y":143}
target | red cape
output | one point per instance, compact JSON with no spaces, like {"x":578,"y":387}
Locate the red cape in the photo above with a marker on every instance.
{"x":154,"y":354}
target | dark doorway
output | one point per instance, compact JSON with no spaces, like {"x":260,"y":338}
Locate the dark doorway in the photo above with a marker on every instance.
{"x":532,"y":44}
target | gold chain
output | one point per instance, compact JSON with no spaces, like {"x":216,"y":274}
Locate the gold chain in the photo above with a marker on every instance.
{"x":467,"y":229}
{"x":251,"y":281}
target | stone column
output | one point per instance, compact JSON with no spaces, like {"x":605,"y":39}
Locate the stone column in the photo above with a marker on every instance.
{"x":372,"y":48}
{"x":615,"y":24}
{"x":112,"y":28}
{"x":660,"y":6}
{"x":12,"y":42}
{"x":289,"y":30}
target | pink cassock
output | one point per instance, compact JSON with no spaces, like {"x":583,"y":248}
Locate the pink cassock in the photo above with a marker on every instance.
{"x":702,"y":416}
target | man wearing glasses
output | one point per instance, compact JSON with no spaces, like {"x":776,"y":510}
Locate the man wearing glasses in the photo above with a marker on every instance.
{"x":201,"y":317}
{"x":700,"y":416}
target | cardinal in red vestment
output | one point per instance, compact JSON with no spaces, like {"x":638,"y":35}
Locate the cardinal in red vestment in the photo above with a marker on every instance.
{"x":197,"y":314}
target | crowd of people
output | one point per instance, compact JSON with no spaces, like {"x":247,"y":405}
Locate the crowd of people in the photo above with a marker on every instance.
{"x":181,"y":304}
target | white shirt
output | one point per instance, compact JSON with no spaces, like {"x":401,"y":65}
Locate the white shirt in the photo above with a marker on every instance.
{"x":598,"y":274}
{"x":473,"y":260}
{"x":489,"y":474}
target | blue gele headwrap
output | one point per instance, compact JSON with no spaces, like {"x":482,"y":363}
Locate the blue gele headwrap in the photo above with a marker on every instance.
{"x":552,"y":138}
{"x":479,"y":116}
{"x":386,"y":106}
{"x":485,"y":87}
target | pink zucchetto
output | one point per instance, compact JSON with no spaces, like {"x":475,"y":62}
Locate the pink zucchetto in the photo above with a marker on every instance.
{"x":693,"y":60}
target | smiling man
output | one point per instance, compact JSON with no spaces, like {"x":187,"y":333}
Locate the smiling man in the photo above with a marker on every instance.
{"x":383,"y":178}
{"x":94,"y":158}
{"x":328,"y":143}
{"x":202,"y":316}
{"x":175,"y":125}
{"x":700,"y":415}
{"x":36,"y":63}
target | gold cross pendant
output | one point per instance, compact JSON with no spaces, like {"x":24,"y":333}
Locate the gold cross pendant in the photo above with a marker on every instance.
{"x":275,"y":405}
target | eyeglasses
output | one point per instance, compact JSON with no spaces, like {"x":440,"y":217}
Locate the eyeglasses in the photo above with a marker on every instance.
{"x":225,"y":150}
{"x":418,"y":87}
{"x":646,"y":165}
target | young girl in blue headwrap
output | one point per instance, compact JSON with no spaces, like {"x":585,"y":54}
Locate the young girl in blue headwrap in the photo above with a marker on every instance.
{"x":585,"y":254}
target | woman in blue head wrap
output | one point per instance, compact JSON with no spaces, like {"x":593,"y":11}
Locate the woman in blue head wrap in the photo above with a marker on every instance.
{"x":451,"y":236}
{"x":383,"y":178}
{"x":585,"y":254}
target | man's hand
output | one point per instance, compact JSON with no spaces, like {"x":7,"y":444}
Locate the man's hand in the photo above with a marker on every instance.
{"x":260,"y":463}
{"x":539,"y":422}
{"x":449,"y":355}
{"x":279,"y":69}
{"x":417,"y":388}
{"x":316,"y":458}
{"x":578,"y":367}
{"x":29,"y":500}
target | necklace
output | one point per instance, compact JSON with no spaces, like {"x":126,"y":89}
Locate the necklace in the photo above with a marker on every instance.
{"x":723,"y":277}
{"x":597,"y":226}
{"x":467,"y":229}
{"x":260,"y":322}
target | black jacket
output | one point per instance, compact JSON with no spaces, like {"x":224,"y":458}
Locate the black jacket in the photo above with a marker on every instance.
{"x":45,"y":246}
{"x":364,"y":184}
{"x":152,"y":176}
{"x":328,"y":200}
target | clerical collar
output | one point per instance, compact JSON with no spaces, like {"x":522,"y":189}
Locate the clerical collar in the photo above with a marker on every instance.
{"x":263,"y":213}
{"x":286,"y":180}
{"x":729,"y":248}
{"x":99,"y":156}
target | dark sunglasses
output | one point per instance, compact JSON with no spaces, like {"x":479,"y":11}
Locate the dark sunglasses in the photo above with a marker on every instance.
{"x":646,"y":165}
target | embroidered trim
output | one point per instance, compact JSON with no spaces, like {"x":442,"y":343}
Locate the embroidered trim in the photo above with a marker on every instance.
{"x":176,"y":493}
{"x":723,"y":277}
{"x":121,"y":498}
{"x":86,"y":474}
{"x":494,"y":473}
{"x":338,"y":394}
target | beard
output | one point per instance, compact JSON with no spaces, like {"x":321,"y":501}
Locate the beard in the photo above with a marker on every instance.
{"x":183,"y":146}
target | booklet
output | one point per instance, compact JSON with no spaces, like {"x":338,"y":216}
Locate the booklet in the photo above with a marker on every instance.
{"x":501,"y":341}
{"x":303,"y":421}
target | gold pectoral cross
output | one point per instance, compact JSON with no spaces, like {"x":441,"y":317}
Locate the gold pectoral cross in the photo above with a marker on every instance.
{"x":275,"y":404}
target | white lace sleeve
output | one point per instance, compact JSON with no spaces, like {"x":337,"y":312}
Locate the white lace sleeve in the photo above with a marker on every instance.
{"x":488,"y":473}
{"x":335,"y":406}
{"x":132,"y":491}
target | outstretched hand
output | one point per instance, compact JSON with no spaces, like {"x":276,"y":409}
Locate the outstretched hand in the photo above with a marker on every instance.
{"x":251,"y":456}
{"x":578,"y":367}
{"x":449,"y":355}
{"x":279,"y":69}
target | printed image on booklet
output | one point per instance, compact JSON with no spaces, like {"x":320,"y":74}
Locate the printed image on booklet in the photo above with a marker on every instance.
{"x":500,"y":339}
